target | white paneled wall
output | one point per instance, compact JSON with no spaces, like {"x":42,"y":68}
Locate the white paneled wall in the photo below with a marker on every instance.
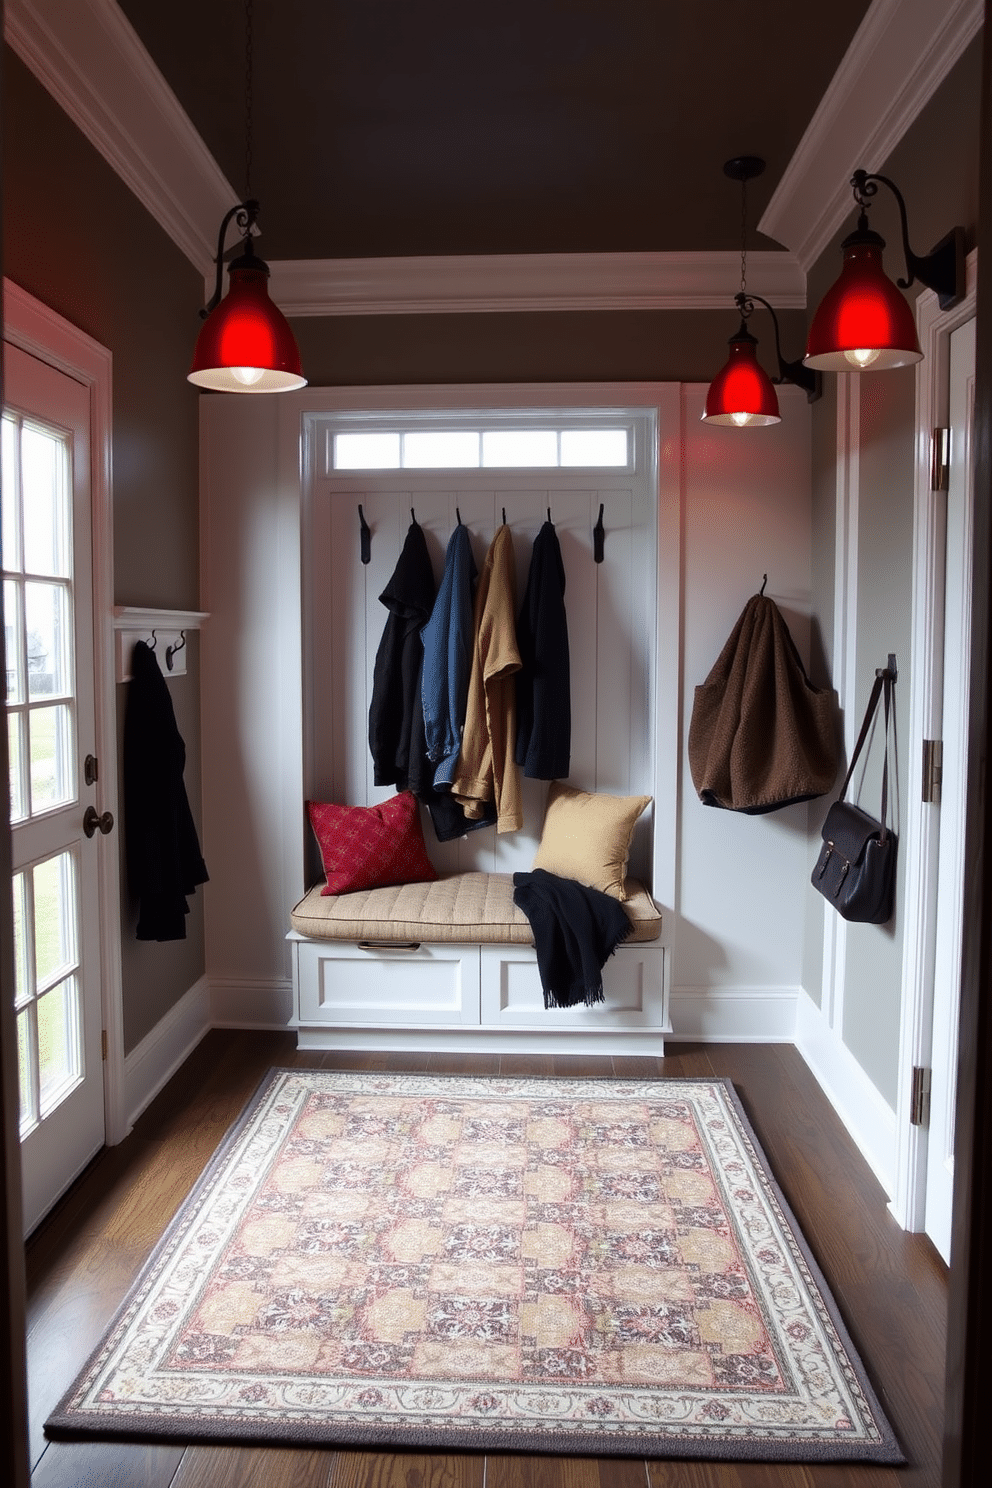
{"x":646,"y":625}
{"x":610,"y":609}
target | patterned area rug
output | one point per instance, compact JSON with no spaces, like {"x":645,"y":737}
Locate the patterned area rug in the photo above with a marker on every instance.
{"x":410,"y":1261}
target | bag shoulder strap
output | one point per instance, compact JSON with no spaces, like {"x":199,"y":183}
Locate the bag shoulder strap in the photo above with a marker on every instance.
{"x":883,"y":681}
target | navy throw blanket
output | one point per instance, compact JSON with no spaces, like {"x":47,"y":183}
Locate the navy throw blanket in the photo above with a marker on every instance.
{"x":576,"y":930}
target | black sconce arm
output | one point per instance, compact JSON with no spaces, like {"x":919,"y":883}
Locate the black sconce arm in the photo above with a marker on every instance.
{"x":246,"y":215}
{"x":804,"y":377}
{"x":941,"y":270}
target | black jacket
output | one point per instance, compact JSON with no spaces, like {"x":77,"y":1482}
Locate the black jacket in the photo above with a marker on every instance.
{"x":163,"y":853}
{"x":544,"y":704}
{"x":396,"y":727}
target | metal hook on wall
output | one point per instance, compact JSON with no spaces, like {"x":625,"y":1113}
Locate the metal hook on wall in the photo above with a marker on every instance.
{"x":764,"y":581}
{"x":598,"y":537}
{"x":170,"y":651}
{"x":366,"y":536}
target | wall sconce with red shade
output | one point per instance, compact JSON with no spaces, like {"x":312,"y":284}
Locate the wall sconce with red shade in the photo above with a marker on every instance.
{"x":742,"y":395}
{"x":863,"y":322}
{"x":246,"y":345}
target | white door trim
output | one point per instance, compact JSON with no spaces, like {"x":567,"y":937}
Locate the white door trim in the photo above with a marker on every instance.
{"x":920,"y":843}
{"x":42,"y":333}
{"x":845,"y":648}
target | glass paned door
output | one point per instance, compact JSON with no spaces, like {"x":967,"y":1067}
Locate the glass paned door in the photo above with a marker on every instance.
{"x":48,"y":624}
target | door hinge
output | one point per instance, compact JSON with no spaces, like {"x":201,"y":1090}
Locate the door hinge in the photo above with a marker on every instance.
{"x":920,"y":1097}
{"x":940,"y":460}
{"x":103,"y":1042}
{"x":933,"y":769}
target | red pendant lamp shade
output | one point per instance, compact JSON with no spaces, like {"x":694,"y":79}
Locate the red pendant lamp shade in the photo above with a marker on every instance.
{"x":246,"y":345}
{"x":864,"y":323}
{"x":742,"y":394}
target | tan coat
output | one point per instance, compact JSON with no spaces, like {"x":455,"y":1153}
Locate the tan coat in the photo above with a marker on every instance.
{"x":486,"y":769}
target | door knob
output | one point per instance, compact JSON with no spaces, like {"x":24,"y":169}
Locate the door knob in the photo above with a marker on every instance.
{"x":93,"y":821}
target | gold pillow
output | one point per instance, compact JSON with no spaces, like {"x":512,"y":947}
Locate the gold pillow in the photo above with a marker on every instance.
{"x":587,"y":836}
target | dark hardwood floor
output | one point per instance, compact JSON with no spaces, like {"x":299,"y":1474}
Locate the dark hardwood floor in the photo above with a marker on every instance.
{"x":891,"y":1287}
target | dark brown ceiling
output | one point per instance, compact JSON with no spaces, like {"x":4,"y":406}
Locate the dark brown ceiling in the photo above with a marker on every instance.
{"x":402,"y":127}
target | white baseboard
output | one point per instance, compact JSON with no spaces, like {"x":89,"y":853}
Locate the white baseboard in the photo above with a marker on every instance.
{"x":869,"y":1119}
{"x":239,"y":1002}
{"x":155,"y":1060}
{"x":733,"y":1015}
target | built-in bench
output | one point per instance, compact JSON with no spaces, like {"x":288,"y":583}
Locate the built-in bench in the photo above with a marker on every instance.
{"x":451,"y":964}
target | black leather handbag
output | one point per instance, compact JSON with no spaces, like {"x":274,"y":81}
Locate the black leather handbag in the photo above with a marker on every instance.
{"x":856,"y":869}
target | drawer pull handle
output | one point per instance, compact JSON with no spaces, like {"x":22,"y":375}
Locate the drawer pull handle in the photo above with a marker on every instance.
{"x":389,"y":945}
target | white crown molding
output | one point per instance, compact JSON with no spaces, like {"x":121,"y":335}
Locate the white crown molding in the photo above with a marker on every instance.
{"x":530,"y":282}
{"x":89,"y":58}
{"x":900,"y":55}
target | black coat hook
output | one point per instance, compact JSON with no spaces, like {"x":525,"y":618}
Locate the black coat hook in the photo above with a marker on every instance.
{"x":170,"y":651}
{"x":413,"y":515}
{"x":598,"y":537}
{"x":504,"y":516}
{"x":459,"y":516}
{"x":764,"y":581}
{"x":366,"y":536}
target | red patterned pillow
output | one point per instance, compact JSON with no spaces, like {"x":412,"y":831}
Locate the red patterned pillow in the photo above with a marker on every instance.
{"x":365,"y":847}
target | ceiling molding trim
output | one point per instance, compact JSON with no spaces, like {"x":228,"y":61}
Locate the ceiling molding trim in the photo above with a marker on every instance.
{"x":89,"y":58}
{"x":900,"y":55}
{"x":522,"y":282}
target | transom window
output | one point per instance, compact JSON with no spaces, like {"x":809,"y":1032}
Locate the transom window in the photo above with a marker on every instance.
{"x":486,"y":449}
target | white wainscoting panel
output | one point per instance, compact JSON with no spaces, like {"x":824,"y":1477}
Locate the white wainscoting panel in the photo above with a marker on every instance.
{"x":869,"y":1120}
{"x":155,"y":1060}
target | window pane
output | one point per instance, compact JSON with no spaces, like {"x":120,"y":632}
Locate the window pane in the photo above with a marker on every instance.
{"x":45,"y":503}
{"x":15,"y":736}
{"x":22,"y":983}
{"x":54,"y":918}
{"x":509,"y":447}
{"x":52,"y":758}
{"x":12,"y":640}
{"x":46,"y":615}
{"x":366,"y":451}
{"x":442,"y":449}
{"x":25,"y":1044}
{"x":11,"y":549}
{"x":594,"y":447}
{"x":58,"y":1043}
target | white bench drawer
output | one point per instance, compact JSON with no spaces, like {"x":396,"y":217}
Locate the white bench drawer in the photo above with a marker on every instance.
{"x":341,"y":983}
{"x":633,"y":983}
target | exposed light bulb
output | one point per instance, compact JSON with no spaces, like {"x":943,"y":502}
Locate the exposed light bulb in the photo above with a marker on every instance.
{"x":740,"y":419}
{"x":250,"y":375}
{"x":862,"y":356}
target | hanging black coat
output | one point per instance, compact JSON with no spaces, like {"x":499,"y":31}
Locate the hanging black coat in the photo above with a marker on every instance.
{"x":164,"y":864}
{"x":396,"y":712}
{"x":544,"y":704}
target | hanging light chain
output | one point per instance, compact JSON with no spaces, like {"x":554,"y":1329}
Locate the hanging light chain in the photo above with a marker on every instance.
{"x":249,"y":97}
{"x":744,"y":236}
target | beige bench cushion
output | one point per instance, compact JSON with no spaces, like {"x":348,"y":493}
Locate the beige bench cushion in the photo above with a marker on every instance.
{"x":474,"y":908}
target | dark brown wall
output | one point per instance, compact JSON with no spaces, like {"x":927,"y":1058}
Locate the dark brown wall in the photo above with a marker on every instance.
{"x":76,"y":238}
{"x":598,"y":346}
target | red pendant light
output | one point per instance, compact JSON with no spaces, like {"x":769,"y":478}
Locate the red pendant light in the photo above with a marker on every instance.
{"x":864,"y":322}
{"x":246,"y":345}
{"x":742,"y":394}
